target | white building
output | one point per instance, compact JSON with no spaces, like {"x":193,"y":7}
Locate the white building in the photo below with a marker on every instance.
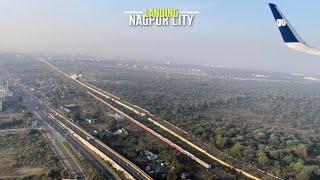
{"x":2,"y":97}
{"x":4,"y":91}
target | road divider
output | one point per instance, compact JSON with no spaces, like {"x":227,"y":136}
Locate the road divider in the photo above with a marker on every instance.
{"x":94,"y":149}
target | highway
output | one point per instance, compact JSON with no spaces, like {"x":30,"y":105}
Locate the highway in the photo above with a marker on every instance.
{"x":135,"y":171}
{"x":105,"y":171}
{"x":250,"y":172}
{"x":38,"y":108}
{"x":56,"y":141}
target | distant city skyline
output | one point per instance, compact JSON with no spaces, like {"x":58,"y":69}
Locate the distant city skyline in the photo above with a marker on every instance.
{"x":225,"y":33}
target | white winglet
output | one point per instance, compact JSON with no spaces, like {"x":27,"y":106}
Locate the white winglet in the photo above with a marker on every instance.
{"x":289,"y":35}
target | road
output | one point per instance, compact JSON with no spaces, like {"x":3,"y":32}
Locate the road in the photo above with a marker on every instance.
{"x":56,"y":141}
{"x":56,"y":133}
{"x":246,"y":170}
{"x":4,"y":131}
{"x":106,"y":172}
{"x":135,"y":171}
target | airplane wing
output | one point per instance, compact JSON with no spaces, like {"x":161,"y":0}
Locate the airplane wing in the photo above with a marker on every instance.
{"x":289,"y":35}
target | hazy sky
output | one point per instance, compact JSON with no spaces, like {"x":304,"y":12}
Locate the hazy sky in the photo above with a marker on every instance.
{"x":231,"y":33}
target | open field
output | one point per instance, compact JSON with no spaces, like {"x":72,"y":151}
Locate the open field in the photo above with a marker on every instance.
{"x":27,"y":154}
{"x":10,"y":116}
{"x":9,"y":121}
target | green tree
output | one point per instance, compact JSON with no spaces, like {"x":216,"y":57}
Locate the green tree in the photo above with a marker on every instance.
{"x":274,"y":154}
{"x":262,"y":158}
{"x":236,"y":150}
{"x":301,"y":150}
{"x":298,"y":166}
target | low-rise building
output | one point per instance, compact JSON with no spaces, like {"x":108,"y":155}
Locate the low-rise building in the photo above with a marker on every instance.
{"x":149,"y":155}
{"x":12,"y":101}
{"x":121,"y":131}
{"x":2,"y":97}
{"x":90,"y":121}
{"x":34,"y":123}
{"x":69,"y":108}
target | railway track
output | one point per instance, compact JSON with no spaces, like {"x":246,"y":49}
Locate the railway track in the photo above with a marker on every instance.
{"x":146,"y":114}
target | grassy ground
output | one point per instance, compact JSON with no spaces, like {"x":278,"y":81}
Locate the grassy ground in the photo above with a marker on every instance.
{"x":27,"y":155}
{"x":10,"y":121}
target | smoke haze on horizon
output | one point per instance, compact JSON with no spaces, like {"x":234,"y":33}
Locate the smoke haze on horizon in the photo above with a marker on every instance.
{"x":225,"y":33}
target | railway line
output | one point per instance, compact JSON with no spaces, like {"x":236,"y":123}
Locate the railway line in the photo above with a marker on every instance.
{"x":106,"y":153}
{"x":38,"y":108}
{"x":258,"y":174}
{"x":165,"y":140}
{"x":106,"y":171}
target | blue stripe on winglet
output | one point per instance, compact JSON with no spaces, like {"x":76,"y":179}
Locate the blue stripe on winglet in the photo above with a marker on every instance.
{"x":286,"y":30}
